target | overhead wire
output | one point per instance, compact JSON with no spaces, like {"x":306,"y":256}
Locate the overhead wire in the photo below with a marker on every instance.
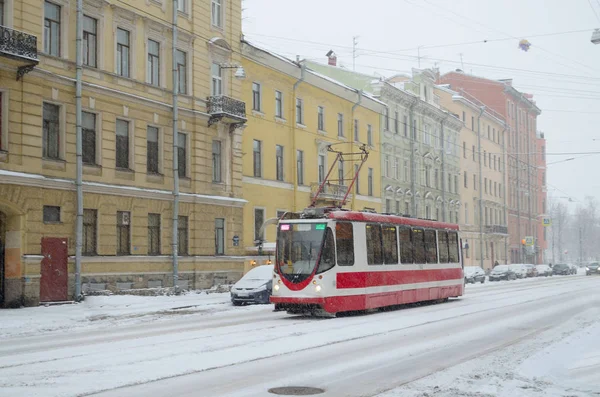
{"x":594,"y":10}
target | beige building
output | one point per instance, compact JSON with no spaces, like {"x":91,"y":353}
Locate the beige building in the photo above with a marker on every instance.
{"x":127,"y":146}
{"x":483,"y":179}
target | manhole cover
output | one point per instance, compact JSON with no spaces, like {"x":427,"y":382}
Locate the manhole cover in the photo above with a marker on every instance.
{"x":296,"y":391}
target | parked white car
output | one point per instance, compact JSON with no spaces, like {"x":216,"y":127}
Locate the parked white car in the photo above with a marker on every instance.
{"x":519,"y":269}
{"x":544,"y":270}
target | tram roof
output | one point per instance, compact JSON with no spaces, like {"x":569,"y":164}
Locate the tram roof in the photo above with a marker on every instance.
{"x":358,"y":216}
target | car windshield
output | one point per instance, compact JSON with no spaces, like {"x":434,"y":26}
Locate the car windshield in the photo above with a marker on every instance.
{"x":264,"y":272}
{"x":470,"y":270}
{"x":501,"y":268}
{"x":561,"y":266}
{"x":298,"y":248}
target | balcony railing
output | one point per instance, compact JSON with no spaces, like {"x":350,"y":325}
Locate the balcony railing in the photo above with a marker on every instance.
{"x":330,"y":192}
{"x":496,"y":229}
{"x":18,"y":45}
{"x":226,"y":109}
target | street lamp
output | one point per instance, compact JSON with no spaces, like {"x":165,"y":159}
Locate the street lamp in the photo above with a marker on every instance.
{"x":239,"y":74}
{"x":596,"y":36}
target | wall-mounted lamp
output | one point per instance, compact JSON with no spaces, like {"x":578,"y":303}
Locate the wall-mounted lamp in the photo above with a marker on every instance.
{"x":239,"y":74}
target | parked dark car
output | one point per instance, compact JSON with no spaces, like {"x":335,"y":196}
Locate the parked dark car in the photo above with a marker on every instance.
{"x":573,"y":268}
{"x":502,"y":272}
{"x":544,"y":270}
{"x":561,"y":269}
{"x":474,"y":274}
{"x":255,"y":287}
{"x":592,"y":268}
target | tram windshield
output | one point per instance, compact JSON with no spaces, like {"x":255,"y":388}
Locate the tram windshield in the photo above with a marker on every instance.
{"x":298,"y":247}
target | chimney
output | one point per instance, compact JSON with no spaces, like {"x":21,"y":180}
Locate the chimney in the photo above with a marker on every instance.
{"x":331,"y":58}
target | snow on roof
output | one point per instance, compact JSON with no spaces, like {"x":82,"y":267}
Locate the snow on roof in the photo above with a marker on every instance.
{"x":345,"y":86}
{"x":280,"y":57}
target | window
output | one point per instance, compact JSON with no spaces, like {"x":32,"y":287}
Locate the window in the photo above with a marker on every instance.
{"x":406,"y":250}
{"x":388,"y":205}
{"x":473,"y":151}
{"x":397,"y":206}
{"x":418,"y":242}
{"x":430,"y":247}
{"x":90,"y":41}
{"x":257,"y":158}
{"x":427,"y":176}
{"x":495,"y":189}
{"x":427,"y":212}
{"x":464,"y":149}
{"x":344,"y":238}
{"x":152,"y":150}
{"x":465,"y":179}
{"x":279,"y":162}
{"x":414,"y":130}
{"x":182,"y":154}
{"x":182,"y":6}
{"x":453,"y":247}
{"x":464,"y":117}
{"x":256,"y":97}
{"x":406,"y":126}
{"x":321,"y":168}
{"x":356,"y":169}
{"x":216,"y":14}
{"x":406,"y":171}
{"x":467,"y":213}
{"x":386,"y":165}
{"x":153,"y":234}
{"x":51,"y":142}
{"x":543,"y":153}
{"x":123,"y":233}
{"x":485,"y":184}
{"x":123,"y":51}
{"x":369,"y":135}
{"x":474,"y":182}
{"x":341,"y":172}
{"x":485,"y":158}
{"x":321,"y":118}
{"x":300,"y":166}
{"x":217,"y":79}
{"x":89,"y":137}
{"x":51,"y":29}
{"x":473,"y":123}
{"x":426,"y":134}
{"x":216,"y":161}
{"x":153,"y":62}
{"x":396,"y":121}
{"x":455,"y":183}
{"x":181,"y":58}
{"x":374,"y":248}
{"x":2,"y":12}
{"x":356,"y":134}
{"x":219,"y":236}
{"x":90,"y":218}
{"x":327,"y":259}
{"x":450,"y":183}
{"x":370,"y":182}
{"x":182,"y":236}
{"x":51,"y":214}
{"x":387,"y":119}
{"x":340,"y":124}
{"x":299,"y":111}
{"x":278,"y":104}
{"x":443,"y":246}
{"x":259,"y":219}
{"x":122,"y":144}
{"x":390,"y":245}
{"x":436,"y":178}
{"x":397,"y":168}
{"x":490,"y":160}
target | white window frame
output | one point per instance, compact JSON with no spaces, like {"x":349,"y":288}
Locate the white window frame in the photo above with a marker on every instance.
{"x":187,"y":72}
{"x":218,"y":77}
{"x":128,"y":29}
{"x":64,"y":28}
{"x":187,"y":153}
{"x":161,"y":145}
{"x":321,"y":111}
{"x":259,"y":106}
{"x":131,"y":136}
{"x":299,"y":120}
{"x":279,"y":112}
{"x":98,"y":137}
{"x":160,"y":60}
{"x":183,"y":7}
{"x":62,"y":125}
{"x":217,"y":23}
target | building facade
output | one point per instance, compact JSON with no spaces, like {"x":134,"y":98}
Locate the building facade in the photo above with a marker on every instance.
{"x":484,"y":179}
{"x":542,"y":199}
{"x":127,"y":146}
{"x":297,"y":122}
{"x":419,"y":149}
{"x":520,"y":113}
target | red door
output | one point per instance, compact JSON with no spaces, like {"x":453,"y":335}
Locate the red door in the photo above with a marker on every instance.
{"x":53,"y":285}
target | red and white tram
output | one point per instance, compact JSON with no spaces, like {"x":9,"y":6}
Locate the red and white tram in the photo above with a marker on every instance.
{"x":330,"y":261}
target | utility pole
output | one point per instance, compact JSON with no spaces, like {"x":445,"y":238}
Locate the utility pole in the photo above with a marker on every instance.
{"x":419,"y":55}
{"x":580,"y":245}
{"x":462,"y":65}
{"x":354,"y":44}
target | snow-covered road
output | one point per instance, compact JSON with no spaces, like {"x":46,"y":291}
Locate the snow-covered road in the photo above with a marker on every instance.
{"x":246,"y":351}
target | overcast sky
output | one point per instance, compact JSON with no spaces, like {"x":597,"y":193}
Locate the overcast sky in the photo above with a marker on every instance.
{"x":561,"y":70}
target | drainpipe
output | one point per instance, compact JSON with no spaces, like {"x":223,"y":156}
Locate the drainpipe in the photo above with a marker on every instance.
{"x":79,"y":149}
{"x":357,"y":104}
{"x":442,"y":137}
{"x":293,"y":130}
{"x":413,"y":171}
{"x":480,"y":187}
{"x":175,"y":241}
{"x":504,"y":195}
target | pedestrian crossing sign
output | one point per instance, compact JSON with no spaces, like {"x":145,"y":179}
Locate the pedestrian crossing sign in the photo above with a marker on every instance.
{"x":546,"y":221}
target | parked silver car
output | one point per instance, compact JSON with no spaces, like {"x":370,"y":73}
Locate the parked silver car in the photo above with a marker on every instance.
{"x":474,"y":274}
{"x":544,"y":270}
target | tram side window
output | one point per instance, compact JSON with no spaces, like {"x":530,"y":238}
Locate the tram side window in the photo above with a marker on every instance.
{"x":344,"y":237}
{"x":453,"y":247}
{"x":374,"y":248}
{"x":418,"y":245}
{"x":443,"y":246}
{"x":390,"y":245}
{"x":430,"y":247}
{"x":327,"y":260}
{"x":406,"y":249}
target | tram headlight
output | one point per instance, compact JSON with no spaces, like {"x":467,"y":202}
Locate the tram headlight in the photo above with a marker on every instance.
{"x":318,"y":288}
{"x":276,"y":287}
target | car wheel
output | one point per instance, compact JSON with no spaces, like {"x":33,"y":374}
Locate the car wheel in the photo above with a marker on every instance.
{"x":482,"y":280}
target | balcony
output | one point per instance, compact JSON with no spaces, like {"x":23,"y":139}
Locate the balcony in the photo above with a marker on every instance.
{"x":330,"y":192}
{"x":225,"y":109}
{"x":19,"y":46}
{"x":496,"y":229}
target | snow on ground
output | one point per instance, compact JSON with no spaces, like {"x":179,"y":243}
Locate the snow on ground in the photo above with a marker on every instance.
{"x":101,"y":311}
{"x":560,"y":362}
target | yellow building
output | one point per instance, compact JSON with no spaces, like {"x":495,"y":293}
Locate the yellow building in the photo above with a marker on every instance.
{"x":484,"y":178}
{"x":294,"y":115}
{"x":127,"y":132}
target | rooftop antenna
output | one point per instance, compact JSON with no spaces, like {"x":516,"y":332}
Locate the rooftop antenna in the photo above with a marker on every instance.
{"x":462,"y":65}
{"x":354,"y":56}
